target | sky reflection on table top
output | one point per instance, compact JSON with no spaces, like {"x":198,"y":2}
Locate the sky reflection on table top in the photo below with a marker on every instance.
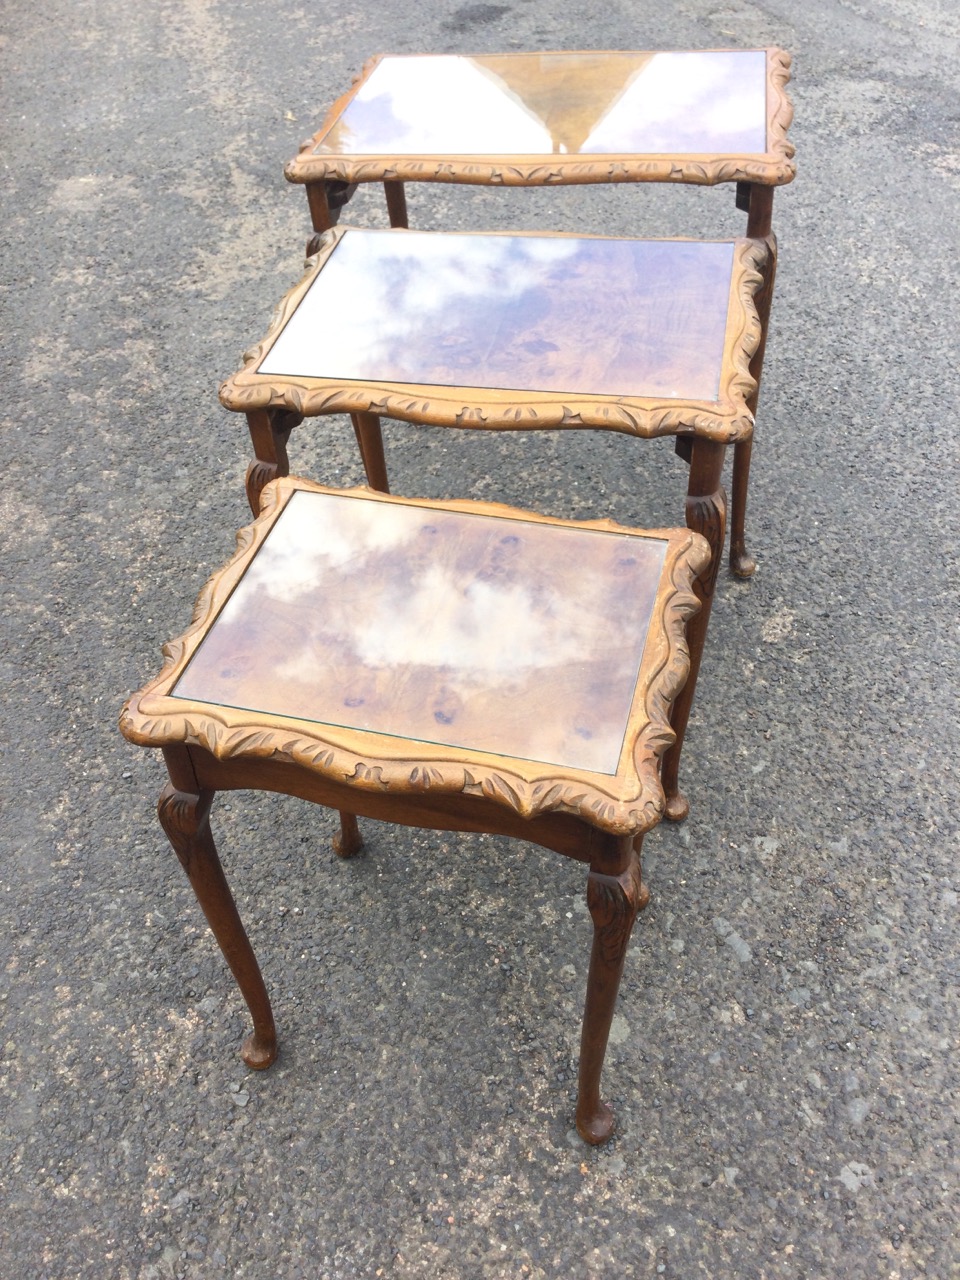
{"x":637,"y":318}
{"x":674,"y":103}
{"x":504,"y":636}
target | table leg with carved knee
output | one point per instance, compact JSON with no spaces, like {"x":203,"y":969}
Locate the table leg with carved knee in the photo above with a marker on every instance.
{"x":185,"y":817}
{"x":326,"y":200}
{"x":614,"y":900}
{"x":706,"y":513}
{"x":269,"y":431}
{"x":320,"y":213}
{"x":759,"y":216}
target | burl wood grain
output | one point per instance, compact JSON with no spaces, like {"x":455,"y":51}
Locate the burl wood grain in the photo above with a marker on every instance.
{"x":522,"y":640}
{"x":639,"y":318}
{"x":529,"y":119}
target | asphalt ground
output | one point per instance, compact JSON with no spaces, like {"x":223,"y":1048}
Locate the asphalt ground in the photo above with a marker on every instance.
{"x":784,"y":1060}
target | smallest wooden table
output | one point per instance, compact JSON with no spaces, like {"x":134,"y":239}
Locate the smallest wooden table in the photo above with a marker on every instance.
{"x":459,"y":666}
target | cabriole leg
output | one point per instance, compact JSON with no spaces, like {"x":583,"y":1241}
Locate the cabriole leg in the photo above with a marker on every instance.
{"x":614,"y":902}
{"x":320,"y":215}
{"x":269,"y":432}
{"x":759,"y":217}
{"x":185,"y":817}
{"x":326,"y":200}
{"x":706,"y":512}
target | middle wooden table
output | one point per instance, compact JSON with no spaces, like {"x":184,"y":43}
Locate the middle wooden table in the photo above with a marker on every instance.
{"x":519,"y":332}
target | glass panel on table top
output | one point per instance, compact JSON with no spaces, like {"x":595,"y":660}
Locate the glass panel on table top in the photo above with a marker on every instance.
{"x":498,"y":635}
{"x":670,"y":103}
{"x":551,"y":314}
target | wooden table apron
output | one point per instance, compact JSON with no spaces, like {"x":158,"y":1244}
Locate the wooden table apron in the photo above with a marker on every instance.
{"x":331,"y":180}
{"x":275,"y":407}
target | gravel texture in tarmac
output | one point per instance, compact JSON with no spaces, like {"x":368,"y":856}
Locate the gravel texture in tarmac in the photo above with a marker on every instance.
{"x":784,"y":1058}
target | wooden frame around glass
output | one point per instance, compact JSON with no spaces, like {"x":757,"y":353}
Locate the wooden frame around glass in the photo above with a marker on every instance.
{"x":727,"y":419}
{"x":772,"y":167}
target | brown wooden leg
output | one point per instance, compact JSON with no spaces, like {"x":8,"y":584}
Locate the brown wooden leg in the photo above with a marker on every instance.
{"x":644,"y":890}
{"x":396,"y":203}
{"x":366,"y":427}
{"x":349,"y":841}
{"x":320,"y":215}
{"x":327,"y":200}
{"x":706,"y":513}
{"x":614,"y":902}
{"x":185,"y":817}
{"x":742,"y":565}
{"x":269,"y":431}
{"x":760,"y":211}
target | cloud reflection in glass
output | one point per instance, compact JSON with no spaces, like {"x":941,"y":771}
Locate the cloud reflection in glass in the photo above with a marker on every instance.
{"x":674,"y":103}
{"x":504,"y":636}
{"x":639,"y":318}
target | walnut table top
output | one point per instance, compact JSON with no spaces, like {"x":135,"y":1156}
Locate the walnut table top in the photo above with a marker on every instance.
{"x":516,"y":331}
{"x":415,"y":646}
{"x":530,"y":119}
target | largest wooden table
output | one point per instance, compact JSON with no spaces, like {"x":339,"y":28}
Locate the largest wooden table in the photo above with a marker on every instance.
{"x":689,"y":117}
{"x":520,"y":333}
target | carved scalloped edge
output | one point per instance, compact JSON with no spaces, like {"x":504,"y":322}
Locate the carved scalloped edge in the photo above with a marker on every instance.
{"x":776,"y":168}
{"x":780,"y":109}
{"x":702,"y":171}
{"x":247,"y":391}
{"x":752,"y":257}
{"x":579,"y":794}
{"x":657,"y":735}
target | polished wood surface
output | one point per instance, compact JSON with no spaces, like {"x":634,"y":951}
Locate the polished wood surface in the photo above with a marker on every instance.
{"x":516,"y":638}
{"x":525,"y":104}
{"x":500,"y":595}
{"x":583,"y":316}
{"x":516,"y":331}
{"x":530,"y":118}
{"x":490,"y":609}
